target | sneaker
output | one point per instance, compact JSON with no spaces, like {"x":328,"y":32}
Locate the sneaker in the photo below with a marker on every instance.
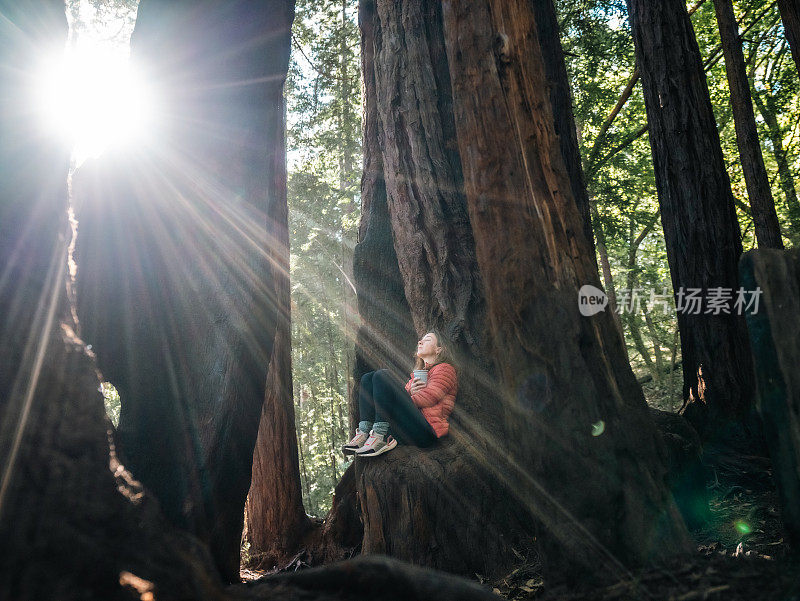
{"x":357,"y":441}
{"x":376,"y":445}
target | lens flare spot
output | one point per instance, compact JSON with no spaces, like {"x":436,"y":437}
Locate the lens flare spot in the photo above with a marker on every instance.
{"x":742,"y":527}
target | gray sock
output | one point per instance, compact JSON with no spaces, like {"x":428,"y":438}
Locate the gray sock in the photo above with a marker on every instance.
{"x":365,"y":427}
{"x":381,"y":428}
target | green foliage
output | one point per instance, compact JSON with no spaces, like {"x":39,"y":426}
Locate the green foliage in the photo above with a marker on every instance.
{"x":112,"y":402}
{"x":107,"y":22}
{"x":619,"y":173}
{"x":323,"y":95}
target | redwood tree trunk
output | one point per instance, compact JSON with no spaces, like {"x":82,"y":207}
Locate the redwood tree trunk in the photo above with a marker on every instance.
{"x":276,"y":518}
{"x":516,"y":182}
{"x":561,"y":101}
{"x":175,"y":289}
{"x":492,"y":247}
{"x":386,"y":322}
{"x":790,"y":16}
{"x":72,"y":519}
{"x":768,"y":232}
{"x":697,"y":212}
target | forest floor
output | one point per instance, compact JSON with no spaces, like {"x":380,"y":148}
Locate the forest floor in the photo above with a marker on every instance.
{"x":740,"y":555}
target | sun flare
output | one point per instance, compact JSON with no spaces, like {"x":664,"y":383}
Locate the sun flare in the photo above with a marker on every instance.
{"x":94,"y":99}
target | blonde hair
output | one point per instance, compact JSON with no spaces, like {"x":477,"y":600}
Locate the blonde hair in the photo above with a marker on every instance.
{"x":443,"y":356}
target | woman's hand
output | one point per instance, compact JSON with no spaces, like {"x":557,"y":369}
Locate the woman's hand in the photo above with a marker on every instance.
{"x":416,"y":386}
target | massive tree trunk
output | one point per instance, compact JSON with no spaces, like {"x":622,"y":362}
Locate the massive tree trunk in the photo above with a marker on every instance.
{"x":492,"y":248}
{"x":70,"y":527}
{"x":175,"y":282}
{"x":768,"y":232}
{"x":386,"y":322}
{"x":697,"y":212}
{"x":790,"y":16}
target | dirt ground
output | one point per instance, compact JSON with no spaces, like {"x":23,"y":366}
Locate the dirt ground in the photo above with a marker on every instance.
{"x":740,"y":555}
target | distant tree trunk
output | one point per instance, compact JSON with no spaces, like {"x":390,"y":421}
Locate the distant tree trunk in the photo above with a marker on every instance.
{"x":790,"y":15}
{"x":768,"y":232}
{"x":638,"y":342}
{"x":492,"y":248}
{"x":651,"y":328}
{"x":697,"y":212}
{"x":767,"y":111}
{"x":174,"y":277}
{"x":608,"y":279}
{"x":630,"y":281}
{"x":673,"y":360}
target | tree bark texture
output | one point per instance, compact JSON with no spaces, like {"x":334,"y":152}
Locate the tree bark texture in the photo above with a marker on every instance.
{"x":492,"y":247}
{"x":697,"y":212}
{"x":72,"y":519}
{"x":516,"y":182}
{"x":386,"y":326}
{"x":790,"y":16}
{"x":775,"y":336}
{"x":766,"y":108}
{"x":561,"y":101}
{"x":768,"y":232}
{"x":422,"y":170}
{"x":177,"y":252}
{"x":418,"y":208}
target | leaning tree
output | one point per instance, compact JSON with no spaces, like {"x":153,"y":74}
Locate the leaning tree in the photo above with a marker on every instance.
{"x":790,"y":16}
{"x":470,"y":204}
{"x":765,"y":219}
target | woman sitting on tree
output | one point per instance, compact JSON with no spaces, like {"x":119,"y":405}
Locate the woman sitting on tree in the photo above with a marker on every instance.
{"x":417,"y":415}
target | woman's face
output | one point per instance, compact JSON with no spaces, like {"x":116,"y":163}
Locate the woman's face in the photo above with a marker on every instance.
{"x":428,"y":346}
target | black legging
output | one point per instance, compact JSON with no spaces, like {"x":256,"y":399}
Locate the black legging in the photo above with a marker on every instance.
{"x":382,"y":398}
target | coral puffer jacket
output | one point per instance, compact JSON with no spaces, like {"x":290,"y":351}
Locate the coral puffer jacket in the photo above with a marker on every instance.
{"x":437,"y":399}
